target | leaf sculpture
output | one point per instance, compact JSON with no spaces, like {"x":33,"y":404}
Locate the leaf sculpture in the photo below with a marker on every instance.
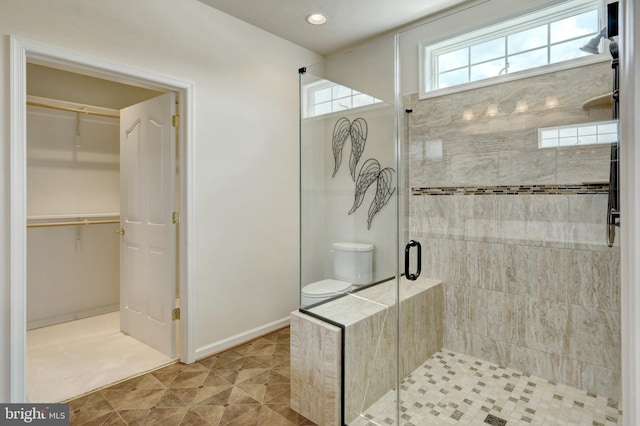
{"x":358,"y":132}
{"x":369,"y":173}
{"x":341,"y":131}
{"x":384,"y":191}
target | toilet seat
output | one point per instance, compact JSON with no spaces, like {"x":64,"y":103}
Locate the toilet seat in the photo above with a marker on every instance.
{"x":321,"y":290}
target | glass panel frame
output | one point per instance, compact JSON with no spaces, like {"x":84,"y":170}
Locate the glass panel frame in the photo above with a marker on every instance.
{"x":452,"y":193}
{"x":349,"y":181}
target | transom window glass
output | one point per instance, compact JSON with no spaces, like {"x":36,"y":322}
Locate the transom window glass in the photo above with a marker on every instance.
{"x":602,"y":132}
{"x":327,"y":97}
{"x":546,"y":37}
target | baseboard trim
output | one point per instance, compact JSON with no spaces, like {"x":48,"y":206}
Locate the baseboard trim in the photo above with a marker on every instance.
{"x":238,"y":339}
{"x":44,"y":322}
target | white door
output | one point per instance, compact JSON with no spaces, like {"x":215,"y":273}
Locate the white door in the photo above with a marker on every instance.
{"x":147,"y":201}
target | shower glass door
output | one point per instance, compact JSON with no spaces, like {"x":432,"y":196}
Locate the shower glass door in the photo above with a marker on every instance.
{"x":516,"y":313}
{"x":344,"y":338}
{"x":481,"y":176}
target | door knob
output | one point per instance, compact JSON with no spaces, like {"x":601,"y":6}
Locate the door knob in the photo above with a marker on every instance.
{"x":120,"y":231}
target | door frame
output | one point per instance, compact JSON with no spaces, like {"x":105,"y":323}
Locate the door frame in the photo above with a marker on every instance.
{"x":629,"y":232}
{"x":21,"y":50}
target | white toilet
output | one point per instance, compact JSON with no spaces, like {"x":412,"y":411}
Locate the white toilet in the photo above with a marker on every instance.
{"x":352,"y":266}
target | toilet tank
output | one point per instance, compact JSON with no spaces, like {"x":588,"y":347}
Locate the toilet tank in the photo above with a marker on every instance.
{"x":353,"y":262}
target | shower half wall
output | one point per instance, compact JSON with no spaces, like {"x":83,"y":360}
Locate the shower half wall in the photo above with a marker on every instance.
{"x":517,"y":233}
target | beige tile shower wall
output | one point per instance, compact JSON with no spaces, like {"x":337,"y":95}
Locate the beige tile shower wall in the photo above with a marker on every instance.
{"x":549,"y":311}
{"x":574,"y":221}
{"x":453,"y":142}
{"x":529,"y":281}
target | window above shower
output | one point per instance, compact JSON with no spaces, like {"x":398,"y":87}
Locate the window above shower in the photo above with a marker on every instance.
{"x":325,"y":97}
{"x":532,"y":44}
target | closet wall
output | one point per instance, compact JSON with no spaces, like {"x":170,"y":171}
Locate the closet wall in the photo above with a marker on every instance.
{"x":72,"y":175}
{"x":73,"y":165}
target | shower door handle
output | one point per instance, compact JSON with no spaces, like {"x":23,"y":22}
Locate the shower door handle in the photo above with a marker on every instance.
{"x":407,"y":250}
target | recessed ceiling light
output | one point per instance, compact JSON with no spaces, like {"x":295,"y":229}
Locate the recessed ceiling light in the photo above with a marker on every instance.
{"x":316,"y":19}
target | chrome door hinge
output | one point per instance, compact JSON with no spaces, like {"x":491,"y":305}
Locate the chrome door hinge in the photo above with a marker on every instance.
{"x":175,"y":121}
{"x":175,"y":314}
{"x":175,"y":217}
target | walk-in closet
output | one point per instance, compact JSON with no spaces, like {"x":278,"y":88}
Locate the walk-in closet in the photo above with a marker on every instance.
{"x":74,"y":342}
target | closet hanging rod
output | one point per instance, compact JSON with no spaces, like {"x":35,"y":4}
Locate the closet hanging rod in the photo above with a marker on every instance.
{"x":61,"y":108}
{"x":75,"y":223}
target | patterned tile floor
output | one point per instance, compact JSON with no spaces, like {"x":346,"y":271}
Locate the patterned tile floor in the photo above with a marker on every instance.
{"x":249,"y":386}
{"x":455,"y":389}
{"x":245,"y":386}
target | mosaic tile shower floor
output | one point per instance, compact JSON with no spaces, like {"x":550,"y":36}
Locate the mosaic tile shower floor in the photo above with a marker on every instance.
{"x":455,"y":389}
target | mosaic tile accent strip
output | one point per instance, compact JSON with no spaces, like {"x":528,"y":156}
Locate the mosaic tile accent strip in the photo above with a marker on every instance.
{"x":456,"y":389}
{"x":599,"y":188}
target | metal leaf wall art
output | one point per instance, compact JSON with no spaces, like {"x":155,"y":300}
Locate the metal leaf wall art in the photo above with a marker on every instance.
{"x":357,"y":132}
{"x":369,"y":173}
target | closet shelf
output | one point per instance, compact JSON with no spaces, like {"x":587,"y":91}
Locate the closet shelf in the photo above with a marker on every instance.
{"x":45,"y":221}
{"x":37,"y":101}
{"x":74,"y":216}
{"x":72,"y":223}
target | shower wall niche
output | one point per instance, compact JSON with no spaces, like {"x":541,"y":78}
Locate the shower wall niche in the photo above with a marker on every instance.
{"x":517,"y":232}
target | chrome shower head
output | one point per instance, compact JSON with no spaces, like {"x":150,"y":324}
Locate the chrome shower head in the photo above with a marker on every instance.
{"x":594,"y":43}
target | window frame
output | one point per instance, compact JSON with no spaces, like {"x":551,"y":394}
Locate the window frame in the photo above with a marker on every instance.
{"x":558,"y":139}
{"x":311,"y":88}
{"x":429,"y":51}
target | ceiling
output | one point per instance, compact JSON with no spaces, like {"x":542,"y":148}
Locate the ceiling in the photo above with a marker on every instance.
{"x":349,"y":21}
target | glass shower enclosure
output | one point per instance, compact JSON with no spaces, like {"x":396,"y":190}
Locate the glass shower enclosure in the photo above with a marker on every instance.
{"x":492,"y":295}
{"x":350,"y":206}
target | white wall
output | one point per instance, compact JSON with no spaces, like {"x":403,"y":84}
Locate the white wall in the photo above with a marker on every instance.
{"x":72,"y":271}
{"x":246,"y":143}
{"x":340,"y":190}
{"x":70,"y":174}
{"x":54,"y":83}
{"x":327,"y":199}
{"x":368,"y":68}
{"x":314,"y":253}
